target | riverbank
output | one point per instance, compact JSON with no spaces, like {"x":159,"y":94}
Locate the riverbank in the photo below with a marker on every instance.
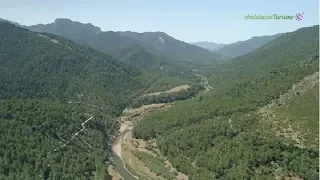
{"x":130,"y":150}
{"x":139,"y":158}
{"x":124,"y":133}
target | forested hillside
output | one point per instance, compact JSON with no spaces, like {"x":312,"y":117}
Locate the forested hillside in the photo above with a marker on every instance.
{"x":46,"y":66}
{"x":158,"y":44}
{"x":244,"y":47}
{"x":58,"y":105}
{"x":211,"y":46}
{"x":222,"y":135}
{"x":33,"y":135}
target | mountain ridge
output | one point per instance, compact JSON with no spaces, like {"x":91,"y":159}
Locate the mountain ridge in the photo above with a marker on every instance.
{"x":243,"y":47}
{"x":211,"y":46}
{"x":157,"y":43}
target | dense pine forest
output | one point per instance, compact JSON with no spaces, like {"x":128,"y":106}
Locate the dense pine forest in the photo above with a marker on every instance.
{"x":51,"y":67}
{"x":60,"y":104}
{"x":222,"y":135}
{"x":167,"y":97}
{"x":49,"y":87}
{"x":33,"y":133}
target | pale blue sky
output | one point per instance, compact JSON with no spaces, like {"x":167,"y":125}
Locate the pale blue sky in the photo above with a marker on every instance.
{"x":198,"y":20}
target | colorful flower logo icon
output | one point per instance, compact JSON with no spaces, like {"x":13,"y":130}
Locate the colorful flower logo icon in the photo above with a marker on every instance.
{"x":299,"y":16}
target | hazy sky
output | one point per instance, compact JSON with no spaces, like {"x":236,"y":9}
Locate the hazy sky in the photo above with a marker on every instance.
{"x":198,"y":20}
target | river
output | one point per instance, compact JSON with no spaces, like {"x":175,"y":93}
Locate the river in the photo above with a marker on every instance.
{"x":126,"y":128}
{"x":119,"y":166}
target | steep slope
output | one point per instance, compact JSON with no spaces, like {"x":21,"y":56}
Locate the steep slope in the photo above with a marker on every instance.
{"x":211,"y":46}
{"x":132,"y":51}
{"x":222,"y":135}
{"x":11,"y":22}
{"x":295,"y":114}
{"x":137,"y":56}
{"x":160,"y":42}
{"x":109,"y":42}
{"x":156,"y":43}
{"x":129,"y":51}
{"x":58,"y":105}
{"x":47,"y":66}
{"x":65,"y":27}
{"x":244,"y":47}
{"x":140,"y":58}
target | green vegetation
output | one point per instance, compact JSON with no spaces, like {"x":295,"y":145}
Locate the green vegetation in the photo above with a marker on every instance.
{"x":168,"y":97}
{"x":49,"y":87}
{"x":160,"y":43}
{"x":146,"y":50}
{"x":155,"y":164}
{"x":221,"y":135}
{"x":31,"y":130}
{"x":36,"y":67}
{"x":164,"y":83}
{"x":166,"y":68}
{"x":302,"y":111}
{"x":243,"y":47}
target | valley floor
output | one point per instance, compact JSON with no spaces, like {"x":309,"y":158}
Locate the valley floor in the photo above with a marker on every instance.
{"x":141,"y":158}
{"x":130,"y":149}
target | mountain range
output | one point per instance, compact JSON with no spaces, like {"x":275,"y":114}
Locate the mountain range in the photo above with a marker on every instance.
{"x":64,"y":84}
{"x":257,"y":116}
{"x":53,"y":67}
{"x":211,"y":46}
{"x":58,"y":104}
{"x":243,"y":47}
{"x":238,"y":48}
{"x":71,"y":29}
{"x":157,"y":43}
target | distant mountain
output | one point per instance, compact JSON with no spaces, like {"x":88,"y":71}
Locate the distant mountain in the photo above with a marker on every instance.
{"x":211,"y":46}
{"x":162,"y":44}
{"x":11,"y":22}
{"x":139,"y":57}
{"x":55,"y":96}
{"x":108,"y":41}
{"x":125,"y":48}
{"x":236,"y":116}
{"x":243,"y":47}
{"x":156,"y":43}
{"x":38,"y":65}
{"x":65,"y":27}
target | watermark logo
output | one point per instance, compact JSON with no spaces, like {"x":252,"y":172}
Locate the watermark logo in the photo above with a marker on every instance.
{"x":298,"y":17}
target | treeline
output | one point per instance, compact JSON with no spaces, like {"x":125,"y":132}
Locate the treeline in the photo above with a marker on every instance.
{"x":168,"y":97}
{"x":221,"y":136}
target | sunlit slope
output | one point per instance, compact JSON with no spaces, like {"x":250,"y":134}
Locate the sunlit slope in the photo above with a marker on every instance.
{"x":222,"y":135}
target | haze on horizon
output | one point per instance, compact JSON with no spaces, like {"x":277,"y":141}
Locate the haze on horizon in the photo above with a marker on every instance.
{"x":189,"y":21}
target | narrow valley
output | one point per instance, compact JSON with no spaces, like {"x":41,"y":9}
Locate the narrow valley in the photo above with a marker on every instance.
{"x":128,"y":164}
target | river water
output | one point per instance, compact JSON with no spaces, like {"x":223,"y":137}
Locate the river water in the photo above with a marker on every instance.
{"x":119,"y":166}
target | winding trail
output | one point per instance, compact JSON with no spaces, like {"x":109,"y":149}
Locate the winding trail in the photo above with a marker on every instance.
{"x":76,"y":134}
